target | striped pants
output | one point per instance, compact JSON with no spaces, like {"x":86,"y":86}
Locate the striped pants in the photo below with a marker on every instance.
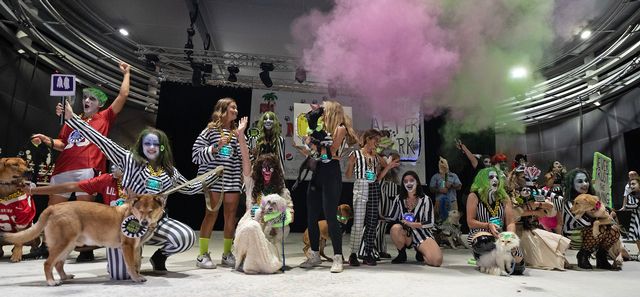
{"x":172,"y":236}
{"x":366,"y":197}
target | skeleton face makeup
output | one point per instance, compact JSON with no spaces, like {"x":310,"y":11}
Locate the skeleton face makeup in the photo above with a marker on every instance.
{"x":409,"y":183}
{"x":268,"y":123}
{"x":525,"y":192}
{"x":494,"y":181}
{"x":267,"y":171}
{"x":581,"y":183}
{"x":557,"y":167}
{"x":151,"y":146}
{"x":634,"y":186}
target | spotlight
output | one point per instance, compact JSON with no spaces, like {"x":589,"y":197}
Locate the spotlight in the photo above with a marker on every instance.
{"x":585,"y":34}
{"x":21,"y":51}
{"x":301,"y":75}
{"x":597,"y":103}
{"x":123,"y":31}
{"x":518,"y":72}
{"x":264,"y":75}
{"x":233,"y":70}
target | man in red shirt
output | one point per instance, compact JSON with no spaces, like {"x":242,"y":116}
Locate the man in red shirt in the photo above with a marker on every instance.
{"x":79,"y":158}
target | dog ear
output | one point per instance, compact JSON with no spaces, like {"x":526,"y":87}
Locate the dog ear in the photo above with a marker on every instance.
{"x":131,"y":196}
{"x":2,"y":161}
{"x":162,"y":199}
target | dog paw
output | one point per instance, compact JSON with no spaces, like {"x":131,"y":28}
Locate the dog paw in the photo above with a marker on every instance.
{"x":139,"y":279}
{"x":52,"y":283}
{"x":68,"y":276}
{"x":16,"y":258}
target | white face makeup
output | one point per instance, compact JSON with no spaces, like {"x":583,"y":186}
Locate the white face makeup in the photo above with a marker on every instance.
{"x":634,"y":186}
{"x":409,"y":183}
{"x":151,"y":146}
{"x":268,"y":123}
{"x":486,"y":162}
{"x":581,"y":183}
{"x":525,"y":192}
{"x":90,"y":105}
{"x":557,"y":167}
{"x":494,"y":181}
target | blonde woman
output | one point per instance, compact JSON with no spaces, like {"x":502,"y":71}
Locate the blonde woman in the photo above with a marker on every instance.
{"x":218,"y":145}
{"x":325,"y":186}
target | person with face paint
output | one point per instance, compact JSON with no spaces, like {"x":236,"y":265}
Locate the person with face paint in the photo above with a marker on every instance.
{"x":489,"y":212}
{"x":325,"y":187}
{"x":554,"y":177}
{"x":265,"y":177}
{"x":577,"y":182}
{"x":368,"y":168}
{"x":147,"y":169}
{"x":412,"y":216}
{"x":218,"y":145}
{"x":630,"y":203}
{"x":627,"y":188}
{"x":444,"y":185}
{"x":79,"y":159}
{"x":269,"y":139}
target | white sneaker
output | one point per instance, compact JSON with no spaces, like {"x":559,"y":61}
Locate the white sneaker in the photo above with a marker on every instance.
{"x":204,"y":261}
{"x":229,"y":260}
{"x":313,"y":260}
{"x":337,"y":264}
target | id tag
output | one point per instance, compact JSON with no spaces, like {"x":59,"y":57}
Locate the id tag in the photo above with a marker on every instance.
{"x":496,"y":221}
{"x":226,"y":151}
{"x":254,"y":208}
{"x":370,"y":175}
{"x":153,"y":185}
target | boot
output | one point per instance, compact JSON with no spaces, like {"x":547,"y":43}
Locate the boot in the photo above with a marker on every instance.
{"x":583,"y":259}
{"x":158,"y":261}
{"x":402,"y":256}
{"x":602,"y":260}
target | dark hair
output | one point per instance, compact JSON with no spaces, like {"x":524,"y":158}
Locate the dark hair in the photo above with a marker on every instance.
{"x":403,"y":191}
{"x":165,"y":157}
{"x":277,"y":177}
{"x":268,"y":140}
{"x":570,"y":192}
{"x":371,"y":133}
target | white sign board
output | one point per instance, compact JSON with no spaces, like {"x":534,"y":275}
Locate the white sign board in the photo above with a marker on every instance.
{"x":63,"y":85}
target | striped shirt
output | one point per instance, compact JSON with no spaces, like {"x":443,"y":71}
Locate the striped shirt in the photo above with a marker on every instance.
{"x":362,"y":164}
{"x":203,"y":156}
{"x":483,"y":215}
{"x":253,"y":143}
{"x":423,"y":213}
{"x":632,"y":201}
{"x":389,"y":191}
{"x":569,"y":221}
{"x":137,"y":176}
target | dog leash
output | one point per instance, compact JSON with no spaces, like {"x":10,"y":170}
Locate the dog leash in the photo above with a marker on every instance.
{"x":284,"y":218}
{"x":200,"y":178}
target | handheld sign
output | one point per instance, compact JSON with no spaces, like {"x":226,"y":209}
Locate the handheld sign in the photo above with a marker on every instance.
{"x":62,"y":85}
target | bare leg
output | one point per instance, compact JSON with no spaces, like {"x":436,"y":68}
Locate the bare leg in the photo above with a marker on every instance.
{"x":399,"y":236}
{"x":230,"y":204}
{"x":210,"y":217}
{"x":431,"y":252}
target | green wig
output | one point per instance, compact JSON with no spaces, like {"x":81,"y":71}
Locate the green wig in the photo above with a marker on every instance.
{"x":95,"y":93}
{"x":481,"y":185}
{"x":271,"y":138}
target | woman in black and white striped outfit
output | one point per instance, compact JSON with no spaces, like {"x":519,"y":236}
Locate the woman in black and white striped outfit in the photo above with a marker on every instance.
{"x":218,"y":145}
{"x":631,"y":203}
{"x":269,"y":139}
{"x":489,"y":211}
{"x":412,"y":216}
{"x":389,"y":190}
{"x":147,"y":168}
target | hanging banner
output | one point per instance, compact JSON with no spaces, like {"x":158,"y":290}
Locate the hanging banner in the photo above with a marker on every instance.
{"x":602,"y":169}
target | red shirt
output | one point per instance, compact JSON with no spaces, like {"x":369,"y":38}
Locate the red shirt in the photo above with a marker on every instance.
{"x":79,"y":152}
{"x":105,"y":184}
{"x":17,"y":214}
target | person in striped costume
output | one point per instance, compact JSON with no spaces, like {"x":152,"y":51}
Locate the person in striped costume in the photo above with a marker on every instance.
{"x":631,"y":203}
{"x":389,"y":189}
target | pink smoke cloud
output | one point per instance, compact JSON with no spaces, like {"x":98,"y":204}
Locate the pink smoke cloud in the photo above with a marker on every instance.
{"x":392,"y":53}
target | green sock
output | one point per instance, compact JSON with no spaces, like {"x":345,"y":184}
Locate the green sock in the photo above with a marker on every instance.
{"x":204,"y":245}
{"x":228,"y":242}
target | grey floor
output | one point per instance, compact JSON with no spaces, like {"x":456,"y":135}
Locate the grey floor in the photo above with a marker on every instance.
{"x":454,"y":278}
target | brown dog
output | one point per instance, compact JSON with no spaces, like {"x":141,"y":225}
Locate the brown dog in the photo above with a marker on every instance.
{"x":70,"y":224}
{"x":17,"y":209}
{"x":591,"y":206}
{"x":344,"y":215}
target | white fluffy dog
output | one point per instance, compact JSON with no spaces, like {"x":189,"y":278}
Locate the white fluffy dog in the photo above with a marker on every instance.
{"x":271,"y":215}
{"x":500,"y":260}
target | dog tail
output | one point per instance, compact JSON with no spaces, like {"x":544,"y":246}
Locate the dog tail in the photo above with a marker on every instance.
{"x":28,"y":234}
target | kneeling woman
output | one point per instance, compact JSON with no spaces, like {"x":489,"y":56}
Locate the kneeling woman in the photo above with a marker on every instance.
{"x":412,"y":212}
{"x":489,"y":212}
{"x":256,"y":251}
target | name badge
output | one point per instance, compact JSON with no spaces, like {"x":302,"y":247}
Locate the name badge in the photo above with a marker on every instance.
{"x":153,"y":185}
{"x":496,"y":221}
{"x":370,"y":175}
{"x":118,"y":202}
{"x":254,"y":208}
{"x":226,"y":151}
{"x":132,"y":228}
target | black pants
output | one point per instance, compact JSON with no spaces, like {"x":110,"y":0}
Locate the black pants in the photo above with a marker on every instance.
{"x":323,"y":194}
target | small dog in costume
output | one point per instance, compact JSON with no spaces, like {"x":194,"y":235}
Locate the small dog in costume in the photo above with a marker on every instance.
{"x":344,"y":215}
{"x":500,"y":261}
{"x":274,"y":217}
{"x":449,"y":232}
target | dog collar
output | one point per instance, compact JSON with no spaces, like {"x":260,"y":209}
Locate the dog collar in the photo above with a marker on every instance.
{"x":277,"y":217}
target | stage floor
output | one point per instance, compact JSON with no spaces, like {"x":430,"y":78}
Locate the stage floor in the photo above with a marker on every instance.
{"x":454,"y":278}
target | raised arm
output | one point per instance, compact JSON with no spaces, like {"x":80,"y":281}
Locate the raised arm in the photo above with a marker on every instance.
{"x":54,"y":143}
{"x":244,"y":147}
{"x":118,"y":104}
{"x":472,"y":159}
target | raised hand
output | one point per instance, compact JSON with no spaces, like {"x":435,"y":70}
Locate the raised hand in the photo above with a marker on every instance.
{"x":124,"y":67}
{"x":242,"y":125}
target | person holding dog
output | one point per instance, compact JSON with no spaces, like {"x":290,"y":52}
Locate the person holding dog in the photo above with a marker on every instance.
{"x":365,"y":165}
{"x":218,"y":145}
{"x":269,"y":139}
{"x":412,"y":215}
{"x":489,"y":212}
{"x":325,"y":187}
{"x":258,"y":252}
{"x":147,"y":169}
{"x":79,"y":158}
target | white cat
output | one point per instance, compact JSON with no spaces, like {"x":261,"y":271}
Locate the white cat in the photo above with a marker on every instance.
{"x":500,"y":260}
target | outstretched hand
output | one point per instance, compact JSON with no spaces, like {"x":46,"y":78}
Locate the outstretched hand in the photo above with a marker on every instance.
{"x":242,"y":125}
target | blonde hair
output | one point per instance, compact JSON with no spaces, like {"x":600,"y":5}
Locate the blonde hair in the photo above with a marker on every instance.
{"x":334,"y":116}
{"x":220,"y":112}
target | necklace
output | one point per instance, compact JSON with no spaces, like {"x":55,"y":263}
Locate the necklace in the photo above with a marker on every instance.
{"x":121,"y":193}
{"x":154,"y":172}
{"x":411,"y":205}
{"x":229,"y":135}
{"x":492,"y":211}
{"x":12,"y":196}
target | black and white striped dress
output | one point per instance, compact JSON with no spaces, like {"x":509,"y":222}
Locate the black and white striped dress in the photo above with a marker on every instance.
{"x":253,"y":142}
{"x":423,"y":213}
{"x":570,"y":224}
{"x":634,"y":225}
{"x":203,"y":156}
{"x":483,"y":215}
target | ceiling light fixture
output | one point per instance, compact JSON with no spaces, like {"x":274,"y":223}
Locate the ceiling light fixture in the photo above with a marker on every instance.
{"x":585,"y":34}
{"x":518,"y":72}
{"x":596,"y":103}
{"x":123,"y":32}
{"x":264,"y":75}
{"x":233,"y":70}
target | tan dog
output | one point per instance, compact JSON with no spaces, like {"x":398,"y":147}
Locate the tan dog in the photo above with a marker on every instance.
{"x":70,"y":224}
{"x":344,"y":215}
{"x":591,"y":206}
{"x":17,"y":209}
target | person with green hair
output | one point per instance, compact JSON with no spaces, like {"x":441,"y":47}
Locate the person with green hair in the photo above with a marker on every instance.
{"x":80,"y":159}
{"x":267,"y":137}
{"x":489,"y":212}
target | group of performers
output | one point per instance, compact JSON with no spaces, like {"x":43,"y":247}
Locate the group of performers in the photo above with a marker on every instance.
{"x":499,"y":199}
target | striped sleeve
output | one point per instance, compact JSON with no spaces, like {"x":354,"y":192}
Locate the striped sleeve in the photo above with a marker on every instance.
{"x":282,"y":153}
{"x":179,"y":179}
{"x":427,"y":213}
{"x":114,"y":152}
{"x":201,"y":152}
{"x":395,"y":212}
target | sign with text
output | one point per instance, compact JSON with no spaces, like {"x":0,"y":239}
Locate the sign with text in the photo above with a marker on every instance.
{"x":602,"y":169}
{"x":63,"y":85}
{"x":405,"y":133}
